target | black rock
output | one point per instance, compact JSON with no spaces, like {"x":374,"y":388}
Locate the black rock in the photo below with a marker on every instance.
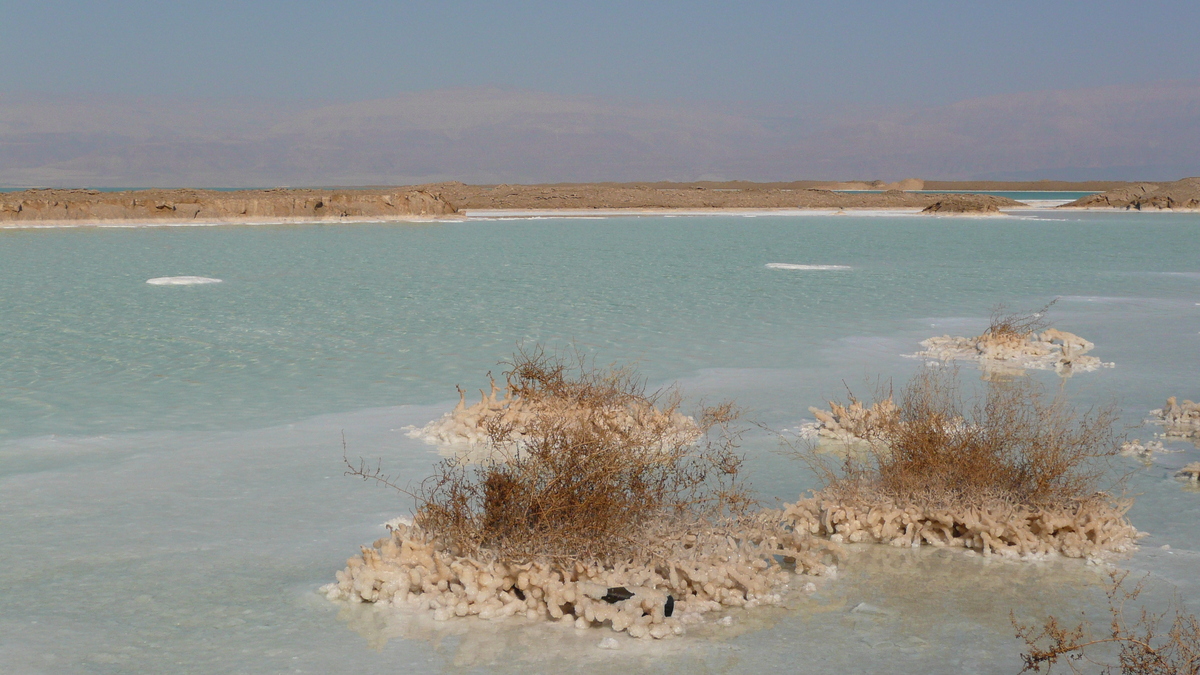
{"x":669,"y":609}
{"x":617,"y":594}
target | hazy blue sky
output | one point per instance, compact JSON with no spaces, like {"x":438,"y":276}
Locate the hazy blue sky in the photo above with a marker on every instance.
{"x":751,"y":51}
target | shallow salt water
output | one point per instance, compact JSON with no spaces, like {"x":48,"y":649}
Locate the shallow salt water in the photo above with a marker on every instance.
{"x":171,"y":488}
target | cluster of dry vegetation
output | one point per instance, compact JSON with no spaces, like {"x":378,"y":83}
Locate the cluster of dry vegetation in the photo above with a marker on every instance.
{"x":1013,"y":472}
{"x":578,"y":485}
{"x":600,"y":503}
{"x":1140,"y":647}
{"x":582,"y":519}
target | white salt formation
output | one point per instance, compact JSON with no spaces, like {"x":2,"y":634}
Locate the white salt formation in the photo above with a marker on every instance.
{"x":466,"y":427}
{"x":849,"y":424}
{"x":1182,"y":420}
{"x":1051,"y":349}
{"x":1190,"y":472}
{"x":653,"y":598}
{"x":181,"y":281}
{"x":1135,"y":448}
{"x":1084,"y":529}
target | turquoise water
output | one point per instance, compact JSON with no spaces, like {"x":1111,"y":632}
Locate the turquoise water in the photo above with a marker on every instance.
{"x":170,"y":456}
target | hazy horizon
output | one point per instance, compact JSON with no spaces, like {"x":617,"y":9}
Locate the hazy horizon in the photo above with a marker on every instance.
{"x":372,"y":92}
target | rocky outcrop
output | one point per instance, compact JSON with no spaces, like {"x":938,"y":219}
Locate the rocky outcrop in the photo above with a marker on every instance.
{"x":964,"y":205}
{"x":1182,"y":195}
{"x":277,"y":205}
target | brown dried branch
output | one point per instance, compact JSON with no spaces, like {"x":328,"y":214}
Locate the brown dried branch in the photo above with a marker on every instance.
{"x":1141,"y":647}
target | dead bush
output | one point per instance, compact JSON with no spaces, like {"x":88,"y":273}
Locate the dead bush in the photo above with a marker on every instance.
{"x":1141,"y":647}
{"x":1009,"y":325}
{"x":599,"y":474}
{"x":1012,"y":443}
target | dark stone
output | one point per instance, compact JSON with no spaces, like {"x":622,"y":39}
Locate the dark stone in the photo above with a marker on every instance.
{"x":617,"y":594}
{"x":669,"y":609}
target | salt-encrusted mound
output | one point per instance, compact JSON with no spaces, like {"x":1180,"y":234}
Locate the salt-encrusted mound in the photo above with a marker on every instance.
{"x":655,"y":597}
{"x":466,"y":426}
{"x":1082,"y":529}
{"x":1180,"y":419}
{"x":1051,"y":349}
{"x":1135,"y":448}
{"x":1190,"y":472}
{"x":849,"y":424}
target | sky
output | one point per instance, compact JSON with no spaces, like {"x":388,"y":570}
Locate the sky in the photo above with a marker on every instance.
{"x":267,"y":92}
{"x":754,"y":52}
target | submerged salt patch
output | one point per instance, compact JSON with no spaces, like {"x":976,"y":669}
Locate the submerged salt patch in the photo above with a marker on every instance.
{"x":793,"y":266}
{"x":181,"y":281}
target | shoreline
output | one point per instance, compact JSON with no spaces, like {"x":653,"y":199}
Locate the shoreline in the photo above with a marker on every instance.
{"x":191,"y":222}
{"x":528,"y":214}
{"x":442,"y":202}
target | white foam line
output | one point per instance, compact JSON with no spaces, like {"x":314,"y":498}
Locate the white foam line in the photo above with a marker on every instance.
{"x":181,"y":281}
{"x":792,"y":266}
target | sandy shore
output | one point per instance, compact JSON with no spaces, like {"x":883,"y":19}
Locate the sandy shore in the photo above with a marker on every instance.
{"x":73,"y":208}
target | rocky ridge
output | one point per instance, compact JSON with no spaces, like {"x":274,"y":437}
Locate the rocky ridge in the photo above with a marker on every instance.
{"x":276,"y":205}
{"x":1182,"y":195}
{"x":685,"y":196}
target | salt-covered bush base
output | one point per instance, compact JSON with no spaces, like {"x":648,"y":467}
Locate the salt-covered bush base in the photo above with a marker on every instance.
{"x":698,"y":573}
{"x":1082,"y":529}
{"x":466,"y":427}
{"x":849,"y":424}
{"x":1051,"y":349}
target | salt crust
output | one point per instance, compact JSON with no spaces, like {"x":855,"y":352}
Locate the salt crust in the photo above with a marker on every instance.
{"x":1135,"y":448}
{"x":1190,"y":472}
{"x":1052,"y":349}
{"x":848,"y":424}
{"x":181,"y":281}
{"x":1084,"y":529}
{"x":465,"y":427}
{"x":1182,"y":420}
{"x":701,"y":572}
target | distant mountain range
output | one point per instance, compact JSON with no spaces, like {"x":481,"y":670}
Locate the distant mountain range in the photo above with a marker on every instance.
{"x":1142,"y":132}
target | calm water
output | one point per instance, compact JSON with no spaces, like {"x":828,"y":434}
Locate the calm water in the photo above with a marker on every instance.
{"x":170,"y":456}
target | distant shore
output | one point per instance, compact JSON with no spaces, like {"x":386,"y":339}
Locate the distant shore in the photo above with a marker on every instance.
{"x":58,"y":207}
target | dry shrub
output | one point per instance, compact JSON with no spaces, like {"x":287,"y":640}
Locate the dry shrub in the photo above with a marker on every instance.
{"x":1142,"y":647}
{"x":1013,"y":443}
{"x":600,"y":472}
{"x":1007,"y":325}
